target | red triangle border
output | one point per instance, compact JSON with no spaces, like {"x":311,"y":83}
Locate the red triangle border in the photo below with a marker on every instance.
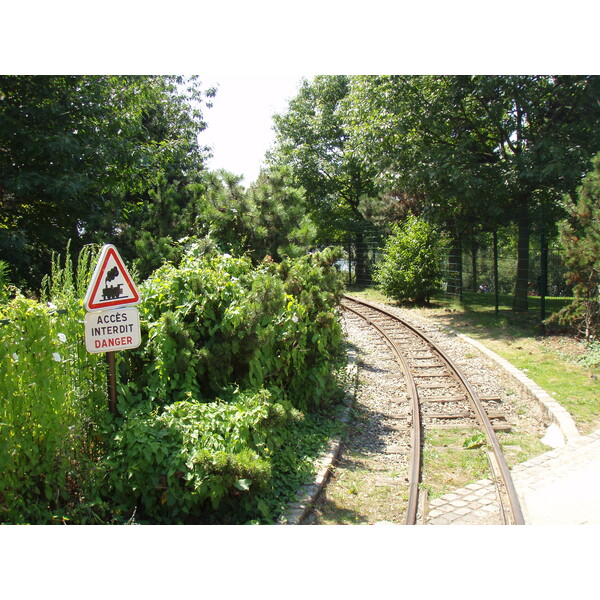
{"x":90,"y":305}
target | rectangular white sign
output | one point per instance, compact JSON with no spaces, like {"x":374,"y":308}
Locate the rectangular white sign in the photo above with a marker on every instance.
{"x":111,"y":330}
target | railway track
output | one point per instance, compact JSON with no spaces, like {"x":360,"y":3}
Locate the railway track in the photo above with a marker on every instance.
{"x":439,"y":396}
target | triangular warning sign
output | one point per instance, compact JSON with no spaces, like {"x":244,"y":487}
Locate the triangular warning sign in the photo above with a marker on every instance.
{"x":111,"y":285}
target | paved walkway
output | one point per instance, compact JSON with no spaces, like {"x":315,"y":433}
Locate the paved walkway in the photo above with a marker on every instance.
{"x":560,"y":487}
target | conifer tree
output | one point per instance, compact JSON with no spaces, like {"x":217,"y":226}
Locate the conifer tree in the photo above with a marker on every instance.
{"x":580,"y":236}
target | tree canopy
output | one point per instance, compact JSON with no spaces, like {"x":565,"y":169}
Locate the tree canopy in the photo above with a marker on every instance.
{"x":484,"y":148}
{"x":119,"y":159}
{"x":311,"y":139}
{"x":77,"y":152}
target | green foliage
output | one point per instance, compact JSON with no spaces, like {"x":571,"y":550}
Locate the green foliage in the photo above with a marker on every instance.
{"x":52,"y":413}
{"x":233,"y":363}
{"x":186,"y":461}
{"x":478,"y":151}
{"x":216,"y":321}
{"x":268,"y":219}
{"x":4,"y":281}
{"x":222,"y":408}
{"x":475,"y":441}
{"x":580,"y":237}
{"x":312,"y":141}
{"x":78,"y":152}
{"x":410,"y":268}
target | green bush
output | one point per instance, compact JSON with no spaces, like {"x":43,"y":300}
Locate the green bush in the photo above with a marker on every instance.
{"x":410,"y":268}
{"x":217,"y":321}
{"x":232,"y":360}
{"x":183,"y":462}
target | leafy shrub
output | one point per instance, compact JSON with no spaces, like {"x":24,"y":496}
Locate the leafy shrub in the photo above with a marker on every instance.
{"x":191,"y":457}
{"x":4,"y":281}
{"x":233,"y":358}
{"x":410,"y":268}
{"x":220,"y":407}
{"x":216,"y":321}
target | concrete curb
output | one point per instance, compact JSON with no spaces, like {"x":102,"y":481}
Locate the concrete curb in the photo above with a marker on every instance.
{"x":308,"y":493}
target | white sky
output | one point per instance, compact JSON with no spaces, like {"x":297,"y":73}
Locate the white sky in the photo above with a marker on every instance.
{"x":240,"y":120}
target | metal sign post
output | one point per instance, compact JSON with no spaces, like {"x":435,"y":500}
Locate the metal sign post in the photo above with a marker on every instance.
{"x":112,"y":382}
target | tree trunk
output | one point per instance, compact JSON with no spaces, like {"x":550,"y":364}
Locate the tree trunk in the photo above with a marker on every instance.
{"x":362,"y":268}
{"x":522,"y":282}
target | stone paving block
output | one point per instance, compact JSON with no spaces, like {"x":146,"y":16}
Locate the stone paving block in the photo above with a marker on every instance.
{"x":443,"y":522}
{"x":458,"y":503}
{"x":472,"y":486}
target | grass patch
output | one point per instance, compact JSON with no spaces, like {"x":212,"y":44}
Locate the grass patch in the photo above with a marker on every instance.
{"x":355,"y":494}
{"x":448,"y":465}
{"x":519,"y":447}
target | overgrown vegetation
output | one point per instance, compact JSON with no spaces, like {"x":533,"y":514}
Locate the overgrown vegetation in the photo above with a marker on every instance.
{"x":53,"y":409}
{"x":220,"y":409}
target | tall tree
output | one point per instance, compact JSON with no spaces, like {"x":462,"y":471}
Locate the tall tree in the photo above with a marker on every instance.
{"x":312,"y":140}
{"x":580,"y":238}
{"x":74,"y":150}
{"x":281,"y":225}
{"x":483,"y":148}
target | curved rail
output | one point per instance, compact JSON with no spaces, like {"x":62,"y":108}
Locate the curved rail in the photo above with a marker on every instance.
{"x":481,"y":416}
{"x":415,"y":461}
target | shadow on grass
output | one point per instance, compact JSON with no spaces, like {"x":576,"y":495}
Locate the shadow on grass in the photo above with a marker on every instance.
{"x":477,"y":313}
{"x":334,"y":514}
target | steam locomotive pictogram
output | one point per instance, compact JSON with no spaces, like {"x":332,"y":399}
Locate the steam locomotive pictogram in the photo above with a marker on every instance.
{"x":111,"y":292}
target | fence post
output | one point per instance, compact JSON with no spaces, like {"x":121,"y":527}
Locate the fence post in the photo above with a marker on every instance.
{"x":543,"y":277}
{"x":496,"y":292}
{"x":460,"y":270}
{"x":349,"y":263}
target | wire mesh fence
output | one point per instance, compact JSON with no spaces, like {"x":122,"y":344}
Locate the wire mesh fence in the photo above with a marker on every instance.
{"x":362,"y":248}
{"x":487,"y":267}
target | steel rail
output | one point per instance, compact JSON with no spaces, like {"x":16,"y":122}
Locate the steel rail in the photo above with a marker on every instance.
{"x":480,"y":413}
{"x":415,"y":459}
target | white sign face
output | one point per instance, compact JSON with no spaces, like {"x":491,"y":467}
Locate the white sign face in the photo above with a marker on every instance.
{"x":111,"y":285}
{"x":111,"y":330}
